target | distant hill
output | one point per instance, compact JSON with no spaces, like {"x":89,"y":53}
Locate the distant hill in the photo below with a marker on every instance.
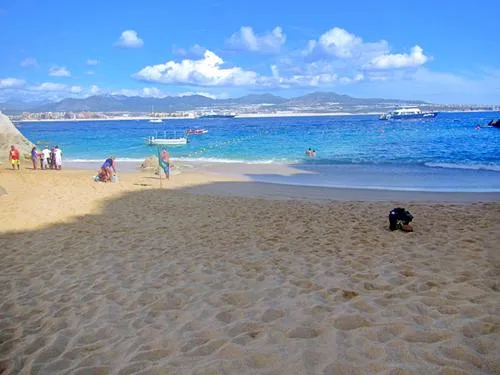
{"x":118,"y":103}
{"x":256,"y":99}
{"x":331,"y":97}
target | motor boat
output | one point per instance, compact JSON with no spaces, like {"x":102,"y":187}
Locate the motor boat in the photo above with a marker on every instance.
{"x":196,"y":131}
{"x":167,"y":141}
{"x":407,"y":113}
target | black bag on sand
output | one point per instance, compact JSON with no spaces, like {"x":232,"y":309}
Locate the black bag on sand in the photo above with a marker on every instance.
{"x":398,"y":217}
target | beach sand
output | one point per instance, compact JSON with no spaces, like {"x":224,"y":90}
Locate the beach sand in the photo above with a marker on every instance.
{"x":216,"y":276}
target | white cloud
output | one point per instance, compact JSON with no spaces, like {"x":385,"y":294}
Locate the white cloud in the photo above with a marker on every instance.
{"x":29,"y":62}
{"x":49,"y":86}
{"x":129,"y":39}
{"x":75,"y":89}
{"x":54,"y":91}
{"x":147,"y":92}
{"x":90,"y":72}
{"x":399,"y":60}
{"x":59,"y":71}
{"x":152,"y":92}
{"x":341,"y":44}
{"x":203,"y":72}
{"x":11,"y":83}
{"x":206,"y":94}
{"x":94,"y":90}
{"x":302,"y":79}
{"x":92,"y":62}
{"x":246,"y":39}
{"x":340,"y":52}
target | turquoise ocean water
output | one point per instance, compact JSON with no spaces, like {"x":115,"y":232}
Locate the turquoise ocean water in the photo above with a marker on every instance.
{"x":447,"y":153}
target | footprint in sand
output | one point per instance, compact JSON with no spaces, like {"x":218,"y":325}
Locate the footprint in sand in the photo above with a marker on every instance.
{"x":272,"y":314}
{"x":303,"y":333}
{"x":260,"y":360}
{"x":350,"y":322}
{"x":426,"y":336}
{"x":245,"y":327}
{"x":226,"y":316}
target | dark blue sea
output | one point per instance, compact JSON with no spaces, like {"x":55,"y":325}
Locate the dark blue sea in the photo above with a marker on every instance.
{"x":448,"y":153}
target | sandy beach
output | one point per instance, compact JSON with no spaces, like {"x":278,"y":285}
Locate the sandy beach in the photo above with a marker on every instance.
{"x":214,"y":274}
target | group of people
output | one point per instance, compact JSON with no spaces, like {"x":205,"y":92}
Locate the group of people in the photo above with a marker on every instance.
{"x":47,"y":158}
{"x":310,"y":152}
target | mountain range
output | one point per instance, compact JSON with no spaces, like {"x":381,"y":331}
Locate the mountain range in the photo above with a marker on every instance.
{"x":120,"y":103}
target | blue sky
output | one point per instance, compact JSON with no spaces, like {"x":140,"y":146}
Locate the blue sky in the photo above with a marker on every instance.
{"x":440,"y":51}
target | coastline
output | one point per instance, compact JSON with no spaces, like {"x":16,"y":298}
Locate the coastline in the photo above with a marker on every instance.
{"x":117,"y":118}
{"x":244,"y":115}
{"x":248,"y":115}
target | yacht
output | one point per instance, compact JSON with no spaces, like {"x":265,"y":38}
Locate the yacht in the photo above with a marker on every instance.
{"x":407,"y":113}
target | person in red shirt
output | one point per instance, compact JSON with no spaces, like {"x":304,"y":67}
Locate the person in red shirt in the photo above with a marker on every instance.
{"x":14,"y":157}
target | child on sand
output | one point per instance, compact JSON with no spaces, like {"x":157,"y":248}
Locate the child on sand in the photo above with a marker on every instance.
{"x":14,"y":157}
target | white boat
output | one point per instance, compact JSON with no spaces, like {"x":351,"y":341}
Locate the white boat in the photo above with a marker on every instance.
{"x":407,"y":113}
{"x":167,"y":141}
{"x":154,"y":119}
{"x":195,"y":131}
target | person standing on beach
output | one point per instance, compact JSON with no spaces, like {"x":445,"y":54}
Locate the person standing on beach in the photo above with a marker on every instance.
{"x":52,"y":157}
{"x":41,"y":157}
{"x":57,"y":158}
{"x":34,"y":157}
{"x":14,"y":157}
{"x":45,"y":159}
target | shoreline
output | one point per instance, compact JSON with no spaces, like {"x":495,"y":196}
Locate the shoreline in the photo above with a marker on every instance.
{"x":373,"y":178}
{"x":280,"y":190}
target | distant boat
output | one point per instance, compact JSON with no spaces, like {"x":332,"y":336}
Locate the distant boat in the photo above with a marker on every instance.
{"x":172,"y":141}
{"x":407,"y":113}
{"x":154,"y":119}
{"x":196,"y":131}
{"x":217,"y":115}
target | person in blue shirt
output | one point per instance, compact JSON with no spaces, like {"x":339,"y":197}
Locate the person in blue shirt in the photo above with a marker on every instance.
{"x":108,"y":168}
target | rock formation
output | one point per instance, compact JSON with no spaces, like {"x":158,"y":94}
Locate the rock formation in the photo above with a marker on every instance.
{"x":9,"y":135}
